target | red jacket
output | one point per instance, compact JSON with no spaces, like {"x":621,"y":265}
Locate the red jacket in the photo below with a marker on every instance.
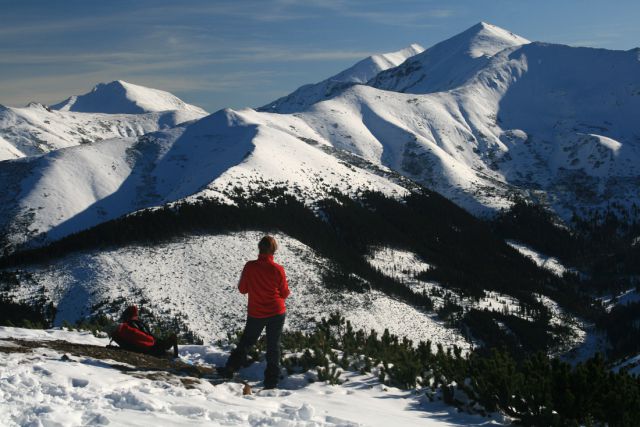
{"x":128,"y":336}
{"x":132,"y":333}
{"x":266,"y":284}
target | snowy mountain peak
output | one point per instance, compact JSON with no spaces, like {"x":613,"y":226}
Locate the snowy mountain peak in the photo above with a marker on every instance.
{"x":485,"y":39}
{"x":120,"y":97}
{"x":111,"y":110}
{"x":450,"y":63}
{"x":366,"y":69}
{"x":361,"y":72}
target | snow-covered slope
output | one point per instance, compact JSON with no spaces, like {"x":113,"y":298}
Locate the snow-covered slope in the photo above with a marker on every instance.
{"x":361,"y":72}
{"x":486,"y":115}
{"x":120,"y":97}
{"x":76,"y":188}
{"x":369,"y":67}
{"x":41,"y":387}
{"x":450,"y":63}
{"x":195,"y":278}
{"x":548,"y":122}
{"x":109,"y":111}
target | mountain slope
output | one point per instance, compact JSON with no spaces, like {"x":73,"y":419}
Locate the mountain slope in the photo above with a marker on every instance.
{"x":35,"y":130}
{"x":361,"y":72}
{"x":475,"y":143}
{"x":69,"y":190}
{"x":450,"y":63}
{"x":547,"y":122}
{"x":38,"y":129}
{"x":200,"y":273}
{"x":120,"y":97}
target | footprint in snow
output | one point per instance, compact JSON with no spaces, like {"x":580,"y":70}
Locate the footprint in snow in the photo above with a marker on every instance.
{"x":79,"y":382}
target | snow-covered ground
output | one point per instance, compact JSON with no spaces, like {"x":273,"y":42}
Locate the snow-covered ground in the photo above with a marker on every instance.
{"x":541,"y":260}
{"x":120,"y":97}
{"x":397,"y":263}
{"x":195,"y":279}
{"x":41,"y":388}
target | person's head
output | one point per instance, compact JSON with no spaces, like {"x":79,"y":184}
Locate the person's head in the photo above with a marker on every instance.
{"x":267,"y":245}
{"x":130,"y":313}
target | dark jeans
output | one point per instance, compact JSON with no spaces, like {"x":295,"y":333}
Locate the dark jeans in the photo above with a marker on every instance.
{"x":158,"y":349}
{"x":252,"y":331}
{"x":165,"y":343}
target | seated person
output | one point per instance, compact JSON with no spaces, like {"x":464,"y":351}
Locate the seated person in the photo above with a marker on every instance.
{"x":132,"y":334}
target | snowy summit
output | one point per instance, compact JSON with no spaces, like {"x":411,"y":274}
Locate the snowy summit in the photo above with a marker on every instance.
{"x":120,"y":97}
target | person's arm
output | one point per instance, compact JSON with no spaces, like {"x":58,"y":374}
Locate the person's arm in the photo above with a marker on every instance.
{"x":243,"y":283}
{"x":284,"y":286}
{"x":139,"y":324}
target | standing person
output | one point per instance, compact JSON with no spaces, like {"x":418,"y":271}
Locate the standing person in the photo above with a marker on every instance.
{"x":266,"y":283}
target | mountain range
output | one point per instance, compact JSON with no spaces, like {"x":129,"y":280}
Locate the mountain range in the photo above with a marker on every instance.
{"x":111,"y":110}
{"x":483,"y":119}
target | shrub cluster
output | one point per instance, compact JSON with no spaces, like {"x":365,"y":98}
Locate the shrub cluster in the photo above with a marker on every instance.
{"x":535,"y":390}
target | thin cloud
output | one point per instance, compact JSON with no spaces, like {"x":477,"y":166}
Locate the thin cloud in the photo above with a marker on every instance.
{"x":167,"y":60}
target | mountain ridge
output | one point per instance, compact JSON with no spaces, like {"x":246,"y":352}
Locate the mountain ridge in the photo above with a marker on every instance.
{"x":120,"y":97}
{"x":37,"y":129}
{"x":361,"y":72}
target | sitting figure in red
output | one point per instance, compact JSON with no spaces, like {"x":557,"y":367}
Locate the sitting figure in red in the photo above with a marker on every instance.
{"x":134,"y":335}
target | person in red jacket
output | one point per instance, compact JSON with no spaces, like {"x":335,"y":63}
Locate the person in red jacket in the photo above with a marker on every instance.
{"x":134,"y":335}
{"x":266,"y":283}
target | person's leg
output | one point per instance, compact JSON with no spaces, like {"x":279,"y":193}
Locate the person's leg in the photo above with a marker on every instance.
{"x":252,"y":330}
{"x":165,"y":343}
{"x":274,"y":333}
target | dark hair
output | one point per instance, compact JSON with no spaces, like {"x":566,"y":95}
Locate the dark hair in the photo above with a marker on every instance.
{"x":268,"y":245}
{"x":130,"y":313}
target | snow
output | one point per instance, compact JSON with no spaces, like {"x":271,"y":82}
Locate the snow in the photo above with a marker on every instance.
{"x":507,"y":122}
{"x":120,"y":97}
{"x":579,"y":340}
{"x":76,"y":188}
{"x":630,"y":365}
{"x":624,"y":298}
{"x":549,"y":263}
{"x":403,"y":266}
{"x":450,"y":63}
{"x":382,"y":313}
{"x":397,"y":263}
{"x":360,"y":72}
{"x":37,"y":129}
{"x":195,"y":280}
{"x":369,"y":67}
{"x":591,"y":342}
{"x":42,"y":389}
{"x":76,"y":337}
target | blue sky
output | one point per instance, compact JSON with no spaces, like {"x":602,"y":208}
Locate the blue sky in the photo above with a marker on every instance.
{"x":241,"y":53}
